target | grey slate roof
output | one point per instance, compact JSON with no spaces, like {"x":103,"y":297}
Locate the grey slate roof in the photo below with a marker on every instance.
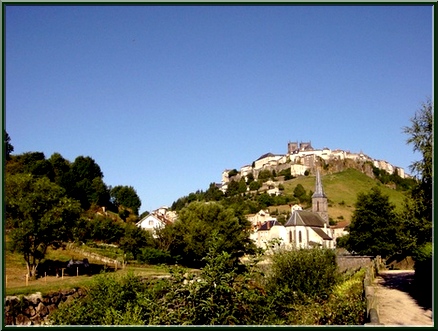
{"x":321,"y":233}
{"x":305,"y":218}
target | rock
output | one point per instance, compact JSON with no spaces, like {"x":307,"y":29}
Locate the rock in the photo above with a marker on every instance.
{"x":9,"y":319}
{"x":35,"y":298}
{"x":10,"y":300}
{"x":22,"y":320}
{"x":56,"y":298}
{"x":29,"y":311}
{"x":42,"y":310}
{"x":51,"y":308}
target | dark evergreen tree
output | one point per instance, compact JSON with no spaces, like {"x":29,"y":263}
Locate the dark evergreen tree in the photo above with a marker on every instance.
{"x":375,"y":227}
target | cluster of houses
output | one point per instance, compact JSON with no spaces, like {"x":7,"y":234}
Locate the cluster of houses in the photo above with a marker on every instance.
{"x":302,"y":157}
{"x":304,"y":228}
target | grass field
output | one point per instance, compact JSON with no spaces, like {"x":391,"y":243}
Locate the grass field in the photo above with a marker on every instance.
{"x":15,"y":272}
{"x":341,"y":190}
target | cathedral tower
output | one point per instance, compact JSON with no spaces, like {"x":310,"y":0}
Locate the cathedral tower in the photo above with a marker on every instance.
{"x":319,"y":200}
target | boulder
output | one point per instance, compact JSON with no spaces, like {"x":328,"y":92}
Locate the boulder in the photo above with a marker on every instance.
{"x":42,"y":310}
{"x":22,"y":320}
{"x":35,"y":298}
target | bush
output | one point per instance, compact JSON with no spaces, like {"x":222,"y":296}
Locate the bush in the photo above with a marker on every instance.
{"x":300,"y":275}
{"x":346,"y":305}
{"x":152,"y":255}
{"x":108,"y":296}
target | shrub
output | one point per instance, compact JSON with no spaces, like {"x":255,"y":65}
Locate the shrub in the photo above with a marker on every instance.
{"x":303,"y":274}
{"x":108,"y":296}
{"x":152,"y":255}
{"x":345,"y":306}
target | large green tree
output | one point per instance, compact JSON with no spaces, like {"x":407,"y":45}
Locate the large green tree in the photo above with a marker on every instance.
{"x":418,"y":211}
{"x":125,"y":196}
{"x":375,"y":226}
{"x":85,"y":182}
{"x":39,"y":215}
{"x":189,"y":236}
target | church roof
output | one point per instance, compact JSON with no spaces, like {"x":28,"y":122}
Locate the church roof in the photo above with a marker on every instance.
{"x":305,"y":218}
{"x":321,"y":233}
{"x":319,"y":191}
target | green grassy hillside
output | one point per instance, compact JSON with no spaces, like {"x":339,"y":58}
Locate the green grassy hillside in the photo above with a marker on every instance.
{"x":342,"y":189}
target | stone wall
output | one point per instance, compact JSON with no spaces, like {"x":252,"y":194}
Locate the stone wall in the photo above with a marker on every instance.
{"x":35,"y":308}
{"x":347,"y":262}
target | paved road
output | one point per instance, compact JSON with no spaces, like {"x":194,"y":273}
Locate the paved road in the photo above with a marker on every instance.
{"x":397,"y":305}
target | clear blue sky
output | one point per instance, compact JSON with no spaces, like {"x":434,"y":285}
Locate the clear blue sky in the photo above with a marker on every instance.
{"x":164,"y":98}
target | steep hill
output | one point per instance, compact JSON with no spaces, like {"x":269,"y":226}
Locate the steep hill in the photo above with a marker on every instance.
{"x":342,"y":189}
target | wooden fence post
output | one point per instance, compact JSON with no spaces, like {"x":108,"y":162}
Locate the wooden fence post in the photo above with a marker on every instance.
{"x":62,"y":274}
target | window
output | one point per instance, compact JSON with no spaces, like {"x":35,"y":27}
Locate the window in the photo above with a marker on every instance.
{"x":299,"y":237}
{"x":151,"y":223}
{"x":290,"y":236}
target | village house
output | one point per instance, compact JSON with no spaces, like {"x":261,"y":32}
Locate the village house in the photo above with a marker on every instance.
{"x":157,"y":219}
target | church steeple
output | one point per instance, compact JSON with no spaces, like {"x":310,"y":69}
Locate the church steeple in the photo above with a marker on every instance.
{"x":319,"y":191}
{"x":319,"y":200}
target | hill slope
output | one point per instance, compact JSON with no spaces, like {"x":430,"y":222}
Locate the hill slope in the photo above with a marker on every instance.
{"x":342,"y":189}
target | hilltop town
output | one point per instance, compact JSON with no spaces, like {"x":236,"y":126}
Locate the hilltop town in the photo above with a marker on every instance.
{"x":301,"y":158}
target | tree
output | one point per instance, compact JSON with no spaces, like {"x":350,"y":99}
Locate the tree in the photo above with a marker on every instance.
{"x":134,"y":239}
{"x":7,"y":143}
{"x":418,"y":210}
{"x":233,"y":188}
{"x":242,"y":185}
{"x":79,"y":181}
{"x":195,"y":226}
{"x":60,"y":167}
{"x":213,"y":193}
{"x":255,"y":185}
{"x":39,"y":214}
{"x":374,"y":228}
{"x":126,"y":196}
{"x":300,"y":193}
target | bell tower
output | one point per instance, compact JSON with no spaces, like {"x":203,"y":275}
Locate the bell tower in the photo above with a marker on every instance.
{"x":319,"y":200}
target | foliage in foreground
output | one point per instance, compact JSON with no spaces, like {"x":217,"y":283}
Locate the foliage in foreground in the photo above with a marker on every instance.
{"x":221,"y":295}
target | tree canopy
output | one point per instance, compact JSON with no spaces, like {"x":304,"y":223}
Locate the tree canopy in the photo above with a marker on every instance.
{"x":126,"y":196}
{"x":374,"y":228}
{"x":418,"y":211}
{"x":39,"y":215}
{"x":190,"y":236}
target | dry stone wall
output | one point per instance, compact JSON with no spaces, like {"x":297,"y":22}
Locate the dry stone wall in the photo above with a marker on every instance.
{"x":35,"y":308}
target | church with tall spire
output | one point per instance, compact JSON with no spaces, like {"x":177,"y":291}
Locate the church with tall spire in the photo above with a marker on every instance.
{"x":305,"y":228}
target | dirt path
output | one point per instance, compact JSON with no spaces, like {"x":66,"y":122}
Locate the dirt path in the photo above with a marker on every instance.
{"x":397,"y":305}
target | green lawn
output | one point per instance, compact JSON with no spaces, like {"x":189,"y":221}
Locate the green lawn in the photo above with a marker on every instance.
{"x":15,"y":270}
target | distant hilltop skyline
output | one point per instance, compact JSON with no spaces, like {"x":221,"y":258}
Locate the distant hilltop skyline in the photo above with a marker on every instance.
{"x":302,"y":157}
